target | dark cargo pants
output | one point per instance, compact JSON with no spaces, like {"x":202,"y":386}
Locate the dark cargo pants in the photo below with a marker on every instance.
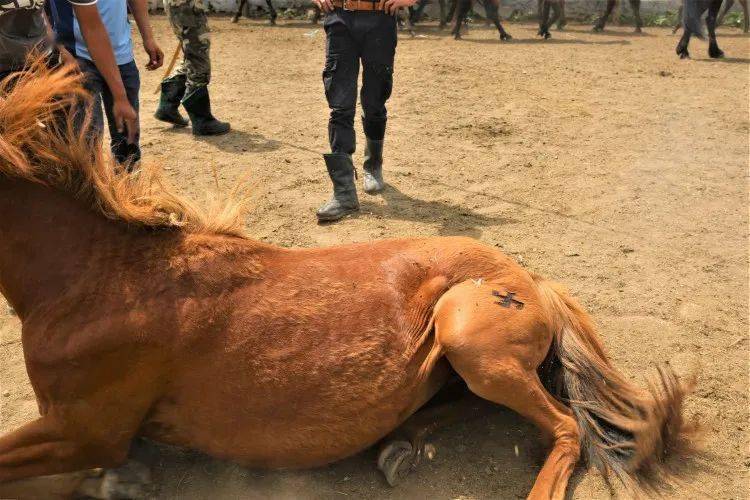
{"x":351,"y":36}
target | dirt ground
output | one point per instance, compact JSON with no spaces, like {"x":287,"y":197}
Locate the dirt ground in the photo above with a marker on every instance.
{"x":600,"y":160}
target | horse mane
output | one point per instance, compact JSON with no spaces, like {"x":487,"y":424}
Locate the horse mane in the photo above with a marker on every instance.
{"x":46,"y":138}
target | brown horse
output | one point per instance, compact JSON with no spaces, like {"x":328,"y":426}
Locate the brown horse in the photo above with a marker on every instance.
{"x":143,"y":315}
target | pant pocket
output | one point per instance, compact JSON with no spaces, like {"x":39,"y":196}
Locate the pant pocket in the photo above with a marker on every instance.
{"x":328,"y":72}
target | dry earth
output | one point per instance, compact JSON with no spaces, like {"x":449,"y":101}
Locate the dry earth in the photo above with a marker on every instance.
{"x":600,"y":160}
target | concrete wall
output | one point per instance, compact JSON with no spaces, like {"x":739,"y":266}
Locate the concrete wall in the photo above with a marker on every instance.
{"x":574,"y":8}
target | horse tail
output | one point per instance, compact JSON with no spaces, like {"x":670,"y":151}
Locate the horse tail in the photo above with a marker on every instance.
{"x":625,"y":431}
{"x":691,"y":16}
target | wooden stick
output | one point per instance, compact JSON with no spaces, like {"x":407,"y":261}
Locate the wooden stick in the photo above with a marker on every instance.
{"x":171,"y":66}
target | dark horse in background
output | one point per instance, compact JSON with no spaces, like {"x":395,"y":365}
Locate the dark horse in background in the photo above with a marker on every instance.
{"x":692,"y":13}
{"x":491,"y":8}
{"x":271,"y":12}
{"x":634,"y":4}
{"x":727,"y":6}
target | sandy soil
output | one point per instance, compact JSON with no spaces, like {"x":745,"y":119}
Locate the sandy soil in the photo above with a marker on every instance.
{"x":600,"y":160}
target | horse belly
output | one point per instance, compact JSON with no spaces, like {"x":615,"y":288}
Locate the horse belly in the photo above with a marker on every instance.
{"x":272,"y":424}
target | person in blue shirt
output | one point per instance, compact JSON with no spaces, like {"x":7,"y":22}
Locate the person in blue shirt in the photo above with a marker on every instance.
{"x":114,"y":14}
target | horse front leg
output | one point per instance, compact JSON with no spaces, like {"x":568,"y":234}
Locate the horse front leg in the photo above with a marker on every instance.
{"x":745,"y":16}
{"x":404,"y":449}
{"x":636,"y":6}
{"x":544,"y":20}
{"x":272,"y":13}
{"x":562,"y":20}
{"x":682,"y":45}
{"x":599,"y":26}
{"x":713,"y":47}
{"x":238,"y":14}
{"x":462,"y":10}
{"x":443,"y":20}
{"x":491,"y":8}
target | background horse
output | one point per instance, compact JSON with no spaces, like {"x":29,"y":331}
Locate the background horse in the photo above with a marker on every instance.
{"x":727,"y":6}
{"x":271,"y":12}
{"x":491,"y":8}
{"x":634,"y":4}
{"x":692,"y":13}
{"x":144,"y":315}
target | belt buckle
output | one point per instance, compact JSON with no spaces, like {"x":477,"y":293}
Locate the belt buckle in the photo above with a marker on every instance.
{"x":346,"y":5}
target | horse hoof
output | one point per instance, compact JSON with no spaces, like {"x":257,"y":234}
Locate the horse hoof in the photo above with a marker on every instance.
{"x":132,"y":480}
{"x":638,"y":29}
{"x":505,"y":37}
{"x":597,"y":29}
{"x":684,"y":54}
{"x":235,"y":19}
{"x":396,"y":460}
{"x":715,"y":54}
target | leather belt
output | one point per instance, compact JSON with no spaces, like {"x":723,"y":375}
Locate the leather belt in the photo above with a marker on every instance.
{"x":359,"y":4}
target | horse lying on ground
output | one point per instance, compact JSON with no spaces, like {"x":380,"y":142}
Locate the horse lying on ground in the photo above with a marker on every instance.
{"x":145,"y":316}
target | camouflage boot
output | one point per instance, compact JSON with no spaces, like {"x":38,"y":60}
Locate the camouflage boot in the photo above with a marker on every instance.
{"x":172,"y":92}
{"x":373,"y":167}
{"x":344,"y":200}
{"x":198,"y":106}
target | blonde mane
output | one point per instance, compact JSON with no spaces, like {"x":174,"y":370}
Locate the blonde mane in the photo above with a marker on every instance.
{"x":45,"y":138}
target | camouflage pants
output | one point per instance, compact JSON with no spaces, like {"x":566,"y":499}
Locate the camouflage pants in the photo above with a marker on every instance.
{"x":191,"y":27}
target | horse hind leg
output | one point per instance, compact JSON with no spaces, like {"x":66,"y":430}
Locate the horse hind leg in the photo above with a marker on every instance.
{"x":491,"y":9}
{"x":599,"y":26}
{"x":494,"y":337}
{"x":713,"y":47}
{"x":462,"y":10}
{"x":544,"y":22}
{"x":636,"y":6}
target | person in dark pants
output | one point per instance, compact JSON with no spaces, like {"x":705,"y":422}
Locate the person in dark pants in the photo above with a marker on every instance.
{"x":125,"y":153}
{"x":357,"y":31}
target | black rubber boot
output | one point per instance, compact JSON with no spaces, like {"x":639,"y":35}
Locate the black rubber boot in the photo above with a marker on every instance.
{"x":172,"y":92}
{"x":373,"y":167}
{"x":344,"y":200}
{"x":198,"y":106}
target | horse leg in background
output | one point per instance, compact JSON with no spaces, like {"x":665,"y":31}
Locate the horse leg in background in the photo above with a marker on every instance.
{"x":403,"y":450}
{"x":599,"y":26}
{"x":272,"y":13}
{"x":416,"y":14}
{"x":728,"y":5}
{"x":543,"y":20}
{"x":238,"y":14}
{"x":636,"y":6}
{"x":555,"y":6}
{"x":713,"y":47}
{"x":451,"y":11}
{"x":317,"y":13}
{"x":561,"y":21}
{"x":678,"y":24}
{"x":491,"y":7}
{"x":462,"y":9}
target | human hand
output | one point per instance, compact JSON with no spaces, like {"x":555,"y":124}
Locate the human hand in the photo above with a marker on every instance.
{"x":392,"y":6}
{"x":155,"y":55}
{"x":126,"y":119}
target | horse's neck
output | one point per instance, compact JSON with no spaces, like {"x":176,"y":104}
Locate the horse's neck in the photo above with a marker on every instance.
{"x":46,"y":240}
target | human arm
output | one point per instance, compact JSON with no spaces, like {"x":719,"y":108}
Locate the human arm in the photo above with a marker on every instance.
{"x":100,"y":48}
{"x":324,"y":5}
{"x":139,"y":8}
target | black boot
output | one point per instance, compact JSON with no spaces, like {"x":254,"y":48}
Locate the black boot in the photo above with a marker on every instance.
{"x":344,"y":200}
{"x":172,"y":92}
{"x":198,"y":106}
{"x":373,"y":167}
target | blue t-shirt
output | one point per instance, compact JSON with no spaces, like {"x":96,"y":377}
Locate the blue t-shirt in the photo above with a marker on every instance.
{"x":114,"y":14}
